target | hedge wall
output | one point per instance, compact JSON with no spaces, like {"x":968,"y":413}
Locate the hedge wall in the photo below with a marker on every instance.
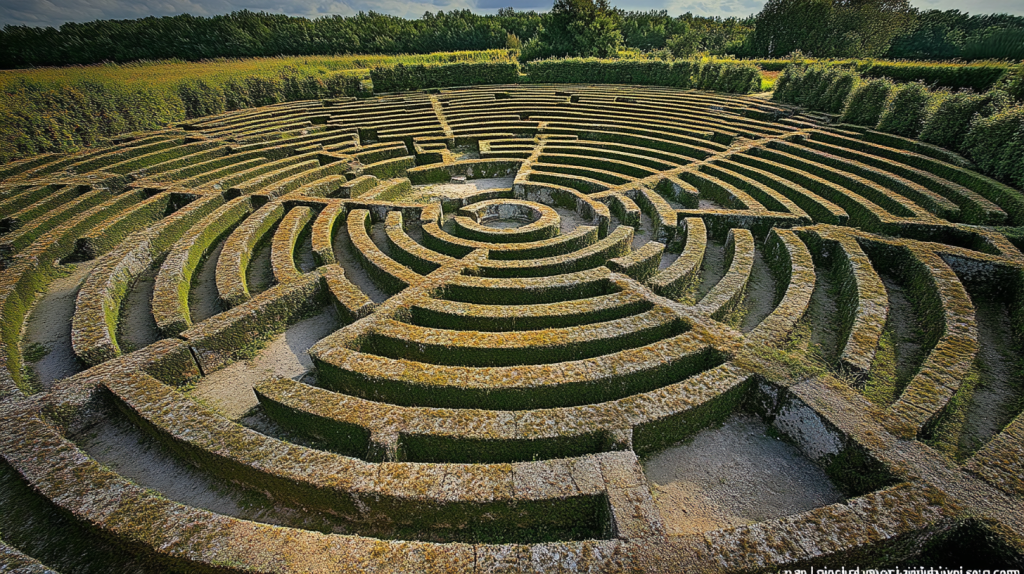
{"x":719,"y":75}
{"x":402,"y":78}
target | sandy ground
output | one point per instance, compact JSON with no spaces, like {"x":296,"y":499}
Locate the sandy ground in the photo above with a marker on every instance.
{"x":732,"y":476}
{"x":49,"y":324}
{"x":471,"y":186}
{"x":569,"y":219}
{"x":229,"y":390}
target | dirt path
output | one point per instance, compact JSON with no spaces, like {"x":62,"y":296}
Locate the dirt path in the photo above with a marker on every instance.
{"x":643,"y":232}
{"x":907,"y":331}
{"x":570,"y":220}
{"x":823,"y":312}
{"x":304,"y":258}
{"x":203,"y":298}
{"x":49,"y":326}
{"x":760,"y":299}
{"x":734,"y":475}
{"x":997,"y":396}
{"x":712,"y":269}
{"x":137,"y":327}
{"x":229,"y":390}
{"x":259,"y":276}
{"x":353,"y":270}
{"x":471,"y":186}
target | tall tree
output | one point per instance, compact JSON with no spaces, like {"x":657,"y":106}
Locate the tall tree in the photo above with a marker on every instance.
{"x":578,"y":28}
{"x":831,"y":28}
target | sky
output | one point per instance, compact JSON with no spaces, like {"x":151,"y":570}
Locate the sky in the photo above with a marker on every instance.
{"x":56,"y":12}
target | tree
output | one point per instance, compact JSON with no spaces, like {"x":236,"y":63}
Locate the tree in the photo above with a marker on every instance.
{"x":831,"y":28}
{"x":684,"y":44}
{"x":577,"y":28}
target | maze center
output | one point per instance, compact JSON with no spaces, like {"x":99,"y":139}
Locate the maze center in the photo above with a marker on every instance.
{"x":509,"y":329}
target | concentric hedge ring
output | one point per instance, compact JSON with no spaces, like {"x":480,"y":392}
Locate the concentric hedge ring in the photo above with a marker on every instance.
{"x":677,"y":256}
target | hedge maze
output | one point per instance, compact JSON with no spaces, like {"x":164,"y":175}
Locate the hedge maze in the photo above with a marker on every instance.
{"x":528,"y":291}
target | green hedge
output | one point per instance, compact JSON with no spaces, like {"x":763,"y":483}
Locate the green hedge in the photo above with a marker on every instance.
{"x":402,"y":78}
{"x":949,"y":125}
{"x":978,"y":76}
{"x":996,"y":144}
{"x":730,"y":76}
{"x":64,"y":116}
{"x":906,"y":110}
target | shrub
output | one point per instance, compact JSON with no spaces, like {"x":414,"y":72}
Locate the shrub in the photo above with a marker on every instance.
{"x":706,"y":74}
{"x":200,"y":98}
{"x":996,"y":145}
{"x":1012,"y":83}
{"x":402,"y":78}
{"x":948,"y":126}
{"x":979,"y":77}
{"x":905,"y":112}
{"x":866,"y":104}
{"x":844,"y":82}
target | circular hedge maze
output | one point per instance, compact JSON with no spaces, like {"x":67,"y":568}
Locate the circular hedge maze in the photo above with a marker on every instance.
{"x":509,"y":329}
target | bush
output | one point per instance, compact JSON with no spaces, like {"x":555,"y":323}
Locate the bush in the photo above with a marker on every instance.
{"x":866,"y":104}
{"x":201,"y":99}
{"x":706,"y":74}
{"x":402,"y":78}
{"x":1012,"y":83}
{"x":979,"y":77}
{"x":948,"y":126}
{"x":844,"y":82}
{"x":906,"y":111}
{"x":996,"y":145}
{"x":37,"y":117}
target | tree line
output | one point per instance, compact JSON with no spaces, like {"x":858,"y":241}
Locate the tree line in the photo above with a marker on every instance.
{"x":822,"y":28}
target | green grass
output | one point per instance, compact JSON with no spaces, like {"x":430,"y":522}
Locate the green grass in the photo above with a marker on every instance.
{"x":881,"y":387}
{"x":35,"y":352}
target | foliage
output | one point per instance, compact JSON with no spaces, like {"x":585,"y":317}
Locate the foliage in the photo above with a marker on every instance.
{"x":866,"y":104}
{"x":830,"y":28}
{"x":978,"y":76}
{"x":816,"y":87}
{"x":948,"y":126}
{"x":247,"y":34}
{"x":996,"y":144}
{"x":1012,"y":82}
{"x":940,"y":35}
{"x":577,"y":28}
{"x":403,"y":78}
{"x":61,"y":110}
{"x":987,"y":128}
{"x":906,"y":110}
{"x":733,"y":76}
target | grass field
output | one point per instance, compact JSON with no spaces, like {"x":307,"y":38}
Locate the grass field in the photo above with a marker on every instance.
{"x":169,"y":73}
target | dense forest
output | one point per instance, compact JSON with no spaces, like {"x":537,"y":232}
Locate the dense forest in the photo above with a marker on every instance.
{"x":825,"y":28}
